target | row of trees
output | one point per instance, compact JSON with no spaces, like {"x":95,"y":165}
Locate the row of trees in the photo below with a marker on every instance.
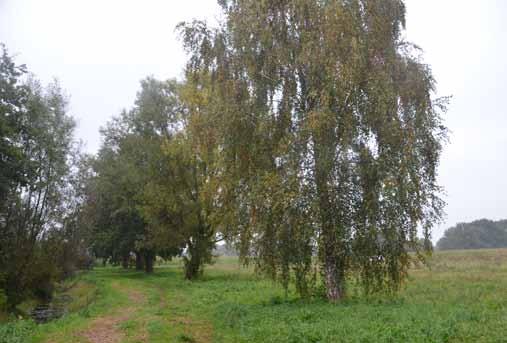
{"x":479,"y":234}
{"x":39,"y":186}
{"x":305,"y":134}
{"x":146,"y":197}
{"x":305,"y":131}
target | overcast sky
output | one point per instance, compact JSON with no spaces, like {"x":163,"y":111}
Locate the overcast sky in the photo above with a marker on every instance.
{"x":100,"y":49}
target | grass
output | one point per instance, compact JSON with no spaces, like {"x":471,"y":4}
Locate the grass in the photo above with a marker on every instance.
{"x":462,"y":298}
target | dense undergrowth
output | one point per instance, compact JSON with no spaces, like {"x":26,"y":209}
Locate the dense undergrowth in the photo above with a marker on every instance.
{"x":82,"y":291}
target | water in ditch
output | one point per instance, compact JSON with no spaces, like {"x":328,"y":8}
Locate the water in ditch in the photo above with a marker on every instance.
{"x":52,"y":310}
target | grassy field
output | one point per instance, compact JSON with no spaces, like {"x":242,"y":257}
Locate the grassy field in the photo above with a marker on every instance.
{"x":462,"y":298}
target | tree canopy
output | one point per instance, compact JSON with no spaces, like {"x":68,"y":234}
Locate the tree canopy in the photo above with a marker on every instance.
{"x":329,"y":135}
{"x":39,"y":186}
{"x":479,"y":234}
{"x":306,"y":135}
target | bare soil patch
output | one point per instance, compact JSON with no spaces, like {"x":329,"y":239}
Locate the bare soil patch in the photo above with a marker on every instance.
{"x":106,"y":329}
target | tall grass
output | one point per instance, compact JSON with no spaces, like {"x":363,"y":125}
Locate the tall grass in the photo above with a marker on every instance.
{"x":462,"y":297}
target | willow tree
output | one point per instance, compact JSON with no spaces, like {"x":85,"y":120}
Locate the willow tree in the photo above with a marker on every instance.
{"x":329,"y":133}
{"x":180,"y":197}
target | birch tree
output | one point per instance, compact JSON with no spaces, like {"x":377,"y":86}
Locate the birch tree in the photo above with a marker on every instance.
{"x":330,"y":135}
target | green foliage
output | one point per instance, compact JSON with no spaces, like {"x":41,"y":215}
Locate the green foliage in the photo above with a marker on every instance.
{"x":480,"y":234}
{"x":329,"y":137}
{"x":306,"y":134}
{"x":151,"y":192}
{"x":13,"y":95}
{"x":135,"y":174}
{"x":38,"y":242}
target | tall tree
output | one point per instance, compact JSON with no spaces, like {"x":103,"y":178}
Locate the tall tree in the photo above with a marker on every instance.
{"x":179,"y":199}
{"x":33,"y":206}
{"x":130,"y":159}
{"x":329,"y":133}
{"x":13,"y":96}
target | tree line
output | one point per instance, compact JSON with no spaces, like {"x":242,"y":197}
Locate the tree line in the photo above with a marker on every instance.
{"x":479,"y":234}
{"x":305,"y":134}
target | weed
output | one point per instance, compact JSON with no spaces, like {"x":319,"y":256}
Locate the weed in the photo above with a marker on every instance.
{"x":185,"y":338}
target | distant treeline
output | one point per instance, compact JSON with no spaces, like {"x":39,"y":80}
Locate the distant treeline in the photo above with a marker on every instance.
{"x":480,"y":234}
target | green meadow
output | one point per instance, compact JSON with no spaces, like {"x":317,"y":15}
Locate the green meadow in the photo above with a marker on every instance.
{"x":460,"y":297}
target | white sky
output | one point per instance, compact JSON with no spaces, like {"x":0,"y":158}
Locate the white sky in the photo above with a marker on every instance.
{"x":100,"y":49}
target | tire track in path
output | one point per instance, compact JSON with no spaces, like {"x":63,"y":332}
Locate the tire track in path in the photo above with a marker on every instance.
{"x":106,"y":329}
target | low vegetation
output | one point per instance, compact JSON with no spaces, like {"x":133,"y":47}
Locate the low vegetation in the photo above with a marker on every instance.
{"x":460,"y":298}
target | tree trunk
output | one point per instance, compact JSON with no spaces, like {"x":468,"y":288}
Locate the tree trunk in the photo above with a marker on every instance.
{"x":330,"y":244}
{"x":333,"y":279}
{"x":125,"y":261}
{"x":192,"y":262}
{"x":139,"y":261}
{"x":149,"y":259}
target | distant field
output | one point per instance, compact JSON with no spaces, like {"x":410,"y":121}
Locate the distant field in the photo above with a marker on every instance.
{"x":462,"y":298}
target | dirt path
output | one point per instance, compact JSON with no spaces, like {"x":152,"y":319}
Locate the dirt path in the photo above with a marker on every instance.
{"x":138,"y":310}
{"x":106,"y":329}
